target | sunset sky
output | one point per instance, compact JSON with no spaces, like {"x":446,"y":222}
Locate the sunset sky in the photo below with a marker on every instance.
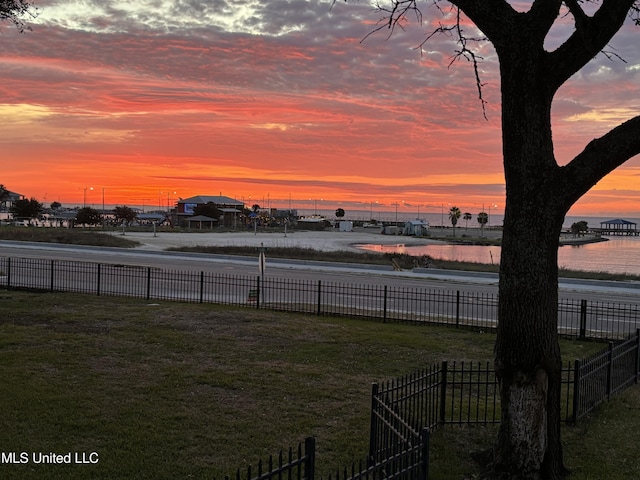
{"x":277,"y":102}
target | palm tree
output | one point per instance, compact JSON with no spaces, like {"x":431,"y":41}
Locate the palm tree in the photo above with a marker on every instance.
{"x":483,"y":218}
{"x":454,"y":215}
{"x":467,"y":216}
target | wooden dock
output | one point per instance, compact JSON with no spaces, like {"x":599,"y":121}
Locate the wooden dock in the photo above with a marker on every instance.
{"x":617,"y":227}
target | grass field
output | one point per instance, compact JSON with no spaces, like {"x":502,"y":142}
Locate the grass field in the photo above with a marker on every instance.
{"x":170,"y":391}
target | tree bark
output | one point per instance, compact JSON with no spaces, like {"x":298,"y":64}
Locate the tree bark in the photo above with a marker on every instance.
{"x":527,"y":353}
{"x":538,"y":195}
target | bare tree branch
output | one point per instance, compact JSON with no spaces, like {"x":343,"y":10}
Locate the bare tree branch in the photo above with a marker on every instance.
{"x":15,"y":10}
{"x":600,"y":157}
{"x":591,"y":36}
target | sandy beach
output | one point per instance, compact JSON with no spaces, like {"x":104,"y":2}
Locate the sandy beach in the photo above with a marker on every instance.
{"x":326,"y":240}
{"x":329,"y":240}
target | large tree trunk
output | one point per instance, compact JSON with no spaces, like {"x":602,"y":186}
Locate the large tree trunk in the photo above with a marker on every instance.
{"x":539,"y":193}
{"x":527,"y":353}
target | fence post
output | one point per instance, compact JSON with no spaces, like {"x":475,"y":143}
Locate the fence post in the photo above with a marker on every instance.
{"x":373,"y":428}
{"x":576,"y":389}
{"x":609,"y":370}
{"x":51,"y":279}
{"x":148,"y":283}
{"x":319,"y":307}
{"x":310,"y":453}
{"x":637,"y":353}
{"x":201,"y":286}
{"x":443,"y":392}
{"x":583,"y":319}
{"x":457,"y":308}
{"x":384,"y":308}
{"x":8,"y":273}
{"x":258,"y":292}
{"x":97,"y":280}
{"x":424,"y":470}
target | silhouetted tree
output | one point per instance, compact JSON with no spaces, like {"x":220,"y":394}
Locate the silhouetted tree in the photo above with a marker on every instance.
{"x":579,"y":228}
{"x":340,"y":213}
{"x":454,"y":215}
{"x":466,"y":216}
{"x":88,"y":216}
{"x":124,"y":215}
{"x":483,"y":218}
{"x":208,"y":209}
{"x":539,"y":193}
{"x":26,"y":209}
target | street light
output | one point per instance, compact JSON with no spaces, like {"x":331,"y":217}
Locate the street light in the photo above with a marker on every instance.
{"x":489,"y":216}
{"x":103,"y":213}
{"x":168,"y":200}
{"x":84,"y":202}
{"x":315,"y":210}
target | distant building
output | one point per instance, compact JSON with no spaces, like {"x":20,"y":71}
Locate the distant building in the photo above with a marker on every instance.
{"x":201,"y":222}
{"x":151,"y":218}
{"x":230,"y":208}
{"x":419,"y":228}
{"x":10,"y":199}
{"x":346,"y":226}
{"x":313,"y":222}
{"x":281,"y":214}
{"x":618,"y":226}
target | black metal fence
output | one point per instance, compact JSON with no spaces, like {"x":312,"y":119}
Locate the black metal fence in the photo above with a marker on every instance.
{"x":403,"y":411}
{"x":576,"y":318}
{"x":605,"y":374}
{"x":409,"y":463}
{"x":468,"y":393}
{"x":290,"y":466}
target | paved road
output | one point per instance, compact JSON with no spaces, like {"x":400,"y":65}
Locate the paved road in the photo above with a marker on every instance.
{"x":623,"y":292}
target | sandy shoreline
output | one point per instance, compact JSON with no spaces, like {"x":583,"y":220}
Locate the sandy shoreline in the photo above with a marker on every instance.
{"x":326,"y":240}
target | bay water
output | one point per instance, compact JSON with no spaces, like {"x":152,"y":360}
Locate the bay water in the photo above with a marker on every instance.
{"x":619,"y":254}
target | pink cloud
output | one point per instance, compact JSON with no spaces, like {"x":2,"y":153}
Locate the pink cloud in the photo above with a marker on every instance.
{"x":142,"y":100}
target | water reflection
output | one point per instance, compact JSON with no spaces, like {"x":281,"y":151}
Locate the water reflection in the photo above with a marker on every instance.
{"x":618,"y":255}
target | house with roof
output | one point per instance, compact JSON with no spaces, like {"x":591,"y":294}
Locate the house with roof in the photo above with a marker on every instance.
{"x":230,"y":208}
{"x":419,"y":228}
{"x":8,"y":199}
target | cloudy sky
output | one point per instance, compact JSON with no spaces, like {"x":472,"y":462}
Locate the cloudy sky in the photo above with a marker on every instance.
{"x":276,"y":102}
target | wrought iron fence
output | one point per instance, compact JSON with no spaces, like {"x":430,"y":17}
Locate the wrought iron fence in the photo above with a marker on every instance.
{"x":605,"y":374}
{"x":291,"y":466}
{"x":411,"y":462}
{"x":403,"y":410}
{"x":468,"y":393}
{"x":576,"y":318}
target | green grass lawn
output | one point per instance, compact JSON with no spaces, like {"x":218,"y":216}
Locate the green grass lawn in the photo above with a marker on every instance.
{"x":170,"y":390}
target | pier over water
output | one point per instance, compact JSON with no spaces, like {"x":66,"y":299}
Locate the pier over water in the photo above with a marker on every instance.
{"x":618,"y":226}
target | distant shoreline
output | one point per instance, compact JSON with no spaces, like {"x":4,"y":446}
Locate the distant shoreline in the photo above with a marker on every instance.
{"x":581,"y":240}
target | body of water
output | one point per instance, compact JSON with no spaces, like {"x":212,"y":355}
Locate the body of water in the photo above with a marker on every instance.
{"x":617,"y":255}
